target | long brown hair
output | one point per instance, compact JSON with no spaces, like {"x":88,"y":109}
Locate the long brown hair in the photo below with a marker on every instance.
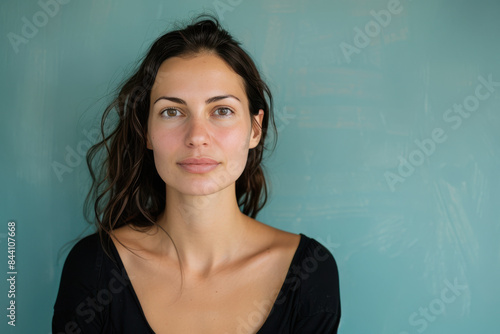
{"x":126,"y":188}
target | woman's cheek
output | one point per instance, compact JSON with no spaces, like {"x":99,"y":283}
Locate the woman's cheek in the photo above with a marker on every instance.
{"x":163,"y":153}
{"x":239,"y":155}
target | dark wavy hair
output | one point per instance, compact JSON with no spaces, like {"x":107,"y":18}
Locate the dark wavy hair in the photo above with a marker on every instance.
{"x":126,"y":188}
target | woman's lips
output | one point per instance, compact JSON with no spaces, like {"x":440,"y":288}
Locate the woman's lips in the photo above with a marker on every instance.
{"x":198,"y":165}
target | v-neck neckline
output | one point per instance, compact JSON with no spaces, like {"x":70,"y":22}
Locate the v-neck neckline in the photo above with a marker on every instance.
{"x":283,"y":289}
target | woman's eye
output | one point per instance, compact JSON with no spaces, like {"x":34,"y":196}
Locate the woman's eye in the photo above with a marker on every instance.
{"x":223,"y":112}
{"x":171,"y":112}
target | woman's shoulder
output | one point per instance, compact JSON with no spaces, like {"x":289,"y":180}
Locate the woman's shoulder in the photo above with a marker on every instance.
{"x":312,"y":262}
{"x":310,"y":295}
{"x":79,"y":277}
{"x":85,"y":260}
{"x":89,"y":281}
{"x":84,"y":252}
{"x":312,"y":253}
{"x":314,"y":273}
{"x":87,"y":243}
{"x":274,"y":238}
{"x":87,"y":267}
{"x":129,"y":236}
{"x":316,"y":258}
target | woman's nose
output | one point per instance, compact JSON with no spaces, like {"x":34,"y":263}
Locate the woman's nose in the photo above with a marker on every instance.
{"x":197,"y":132}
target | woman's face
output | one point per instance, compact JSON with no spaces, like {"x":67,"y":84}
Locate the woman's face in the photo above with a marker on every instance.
{"x":199,"y":124}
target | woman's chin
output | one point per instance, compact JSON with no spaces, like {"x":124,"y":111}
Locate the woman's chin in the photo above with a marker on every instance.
{"x":199,"y":187}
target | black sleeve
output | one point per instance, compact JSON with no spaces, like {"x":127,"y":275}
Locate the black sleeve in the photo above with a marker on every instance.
{"x":320,"y":310}
{"x":321,"y":323}
{"x":76,"y":309}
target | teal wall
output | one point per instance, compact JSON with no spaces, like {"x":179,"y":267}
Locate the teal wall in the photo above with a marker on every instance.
{"x":389,"y":147}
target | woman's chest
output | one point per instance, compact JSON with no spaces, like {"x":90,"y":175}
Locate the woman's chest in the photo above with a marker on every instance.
{"x":238,"y":301}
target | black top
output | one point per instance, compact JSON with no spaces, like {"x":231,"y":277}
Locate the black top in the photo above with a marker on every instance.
{"x":95,"y":294}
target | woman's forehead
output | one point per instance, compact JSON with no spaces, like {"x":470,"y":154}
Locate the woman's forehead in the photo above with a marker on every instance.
{"x":202,"y":72}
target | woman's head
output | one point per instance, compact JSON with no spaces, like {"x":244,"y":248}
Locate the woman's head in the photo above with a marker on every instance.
{"x":127,"y":187}
{"x":199,"y":127}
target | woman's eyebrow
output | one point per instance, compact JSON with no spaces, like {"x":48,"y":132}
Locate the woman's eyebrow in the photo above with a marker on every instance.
{"x":221,"y":97}
{"x":173,"y":99}
{"x":209,"y":100}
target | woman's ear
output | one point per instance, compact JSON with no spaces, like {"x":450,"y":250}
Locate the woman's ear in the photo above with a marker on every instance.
{"x":256,"y":129}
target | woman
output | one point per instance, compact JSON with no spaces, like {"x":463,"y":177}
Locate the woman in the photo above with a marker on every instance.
{"x":178,"y":249}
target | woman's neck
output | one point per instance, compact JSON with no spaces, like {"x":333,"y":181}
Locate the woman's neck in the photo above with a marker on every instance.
{"x":207,"y":230}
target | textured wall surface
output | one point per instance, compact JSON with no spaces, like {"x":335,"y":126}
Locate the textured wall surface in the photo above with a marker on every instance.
{"x":389,"y":143}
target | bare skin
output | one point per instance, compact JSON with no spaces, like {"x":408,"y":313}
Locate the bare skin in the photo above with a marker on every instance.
{"x":232,"y":266}
{"x":236,"y":296}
